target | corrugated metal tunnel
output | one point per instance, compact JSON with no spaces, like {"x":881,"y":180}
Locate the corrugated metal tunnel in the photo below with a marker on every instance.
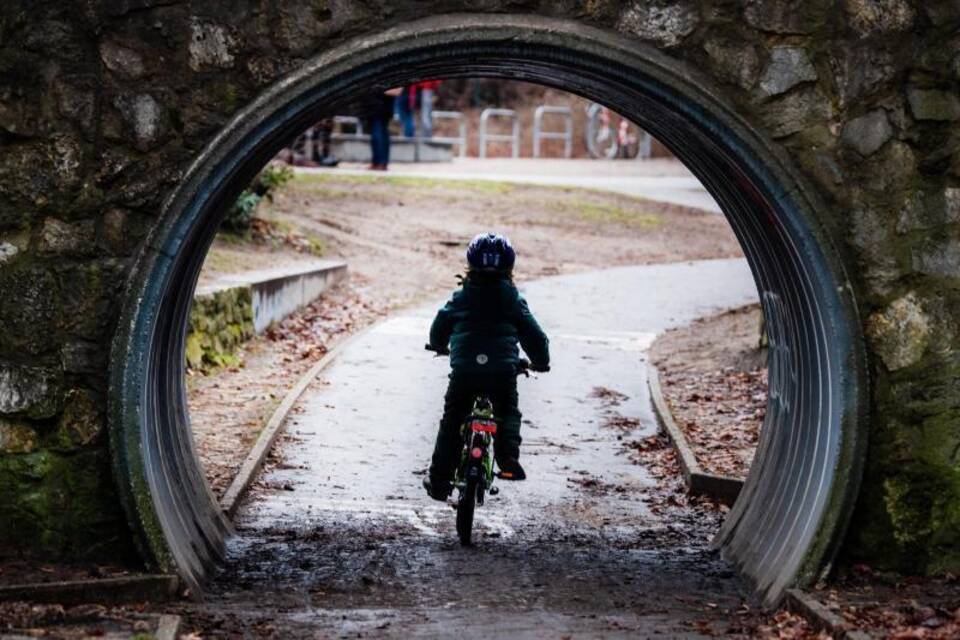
{"x":790,"y":518}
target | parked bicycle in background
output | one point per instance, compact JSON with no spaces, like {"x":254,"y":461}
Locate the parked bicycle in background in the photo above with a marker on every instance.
{"x":611,"y":136}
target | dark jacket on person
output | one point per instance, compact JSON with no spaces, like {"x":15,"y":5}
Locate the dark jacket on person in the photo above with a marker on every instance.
{"x":483,"y":323}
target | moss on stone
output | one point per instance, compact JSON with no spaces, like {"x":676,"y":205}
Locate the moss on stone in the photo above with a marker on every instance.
{"x":219,"y":323}
{"x":64,"y":504}
{"x":81,"y":422}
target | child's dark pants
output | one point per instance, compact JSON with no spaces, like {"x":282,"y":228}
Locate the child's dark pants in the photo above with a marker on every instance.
{"x":461,"y":392}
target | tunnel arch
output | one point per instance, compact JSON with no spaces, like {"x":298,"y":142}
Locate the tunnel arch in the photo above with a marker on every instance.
{"x":793,"y":511}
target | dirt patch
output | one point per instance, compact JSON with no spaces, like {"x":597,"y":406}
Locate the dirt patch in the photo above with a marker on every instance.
{"x":412,"y":231}
{"x":714,"y":378}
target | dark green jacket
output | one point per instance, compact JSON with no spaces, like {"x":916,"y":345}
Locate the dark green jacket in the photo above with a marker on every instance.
{"x":483,"y":323}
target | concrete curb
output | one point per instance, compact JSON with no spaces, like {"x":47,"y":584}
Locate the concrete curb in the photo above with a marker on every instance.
{"x":168,"y":627}
{"x":111,"y":591}
{"x":820,"y":616}
{"x":699,"y":483}
{"x":268,"y":436}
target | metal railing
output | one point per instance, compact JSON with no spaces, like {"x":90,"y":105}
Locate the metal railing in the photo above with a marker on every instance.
{"x":566,"y":135}
{"x":513,"y":138}
{"x":461,"y":139}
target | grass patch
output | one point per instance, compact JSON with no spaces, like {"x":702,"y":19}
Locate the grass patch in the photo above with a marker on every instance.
{"x":602,"y":213}
{"x":315,"y":183}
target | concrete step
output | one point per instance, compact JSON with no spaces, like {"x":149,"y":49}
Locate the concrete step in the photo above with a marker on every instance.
{"x":354,"y":148}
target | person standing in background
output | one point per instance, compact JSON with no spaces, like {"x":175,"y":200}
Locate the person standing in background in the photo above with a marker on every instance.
{"x":428,"y":90}
{"x":322,"y":155}
{"x":379,"y":111}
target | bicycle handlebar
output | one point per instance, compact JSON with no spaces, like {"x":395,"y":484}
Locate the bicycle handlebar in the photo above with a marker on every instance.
{"x":439,"y":352}
{"x":524,"y":364}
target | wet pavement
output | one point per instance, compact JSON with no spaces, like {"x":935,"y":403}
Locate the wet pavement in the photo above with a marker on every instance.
{"x":338,"y":539}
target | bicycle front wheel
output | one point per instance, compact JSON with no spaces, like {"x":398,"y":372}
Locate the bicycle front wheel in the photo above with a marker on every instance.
{"x":465,"y":509}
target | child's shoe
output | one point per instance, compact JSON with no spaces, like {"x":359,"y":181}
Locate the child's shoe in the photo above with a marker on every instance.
{"x":510,"y":469}
{"x":438,"y":489}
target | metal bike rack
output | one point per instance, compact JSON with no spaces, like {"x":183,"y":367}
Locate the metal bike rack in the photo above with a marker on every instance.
{"x":461,"y":139}
{"x":566,"y":135}
{"x":513,"y":138}
{"x":646,"y":146}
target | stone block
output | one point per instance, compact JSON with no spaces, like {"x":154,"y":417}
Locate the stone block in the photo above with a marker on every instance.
{"x":120,"y":231}
{"x":788,"y":67}
{"x":870,"y":236}
{"x":211,"y":46}
{"x":921,"y":212}
{"x":796,"y":111}
{"x":77,"y":103}
{"x":57,"y":237}
{"x":861,"y":70}
{"x":891,"y":168}
{"x":867,"y":133}
{"x":938,"y":257}
{"x":786,"y":16}
{"x":735,"y":61}
{"x":8,"y":251}
{"x":933,"y":104}
{"x":17,"y":437}
{"x":301,"y":26}
{"x":80,"y":356}
{"x":122,"y":60}
{"x":900,"y":333}
{"x":35,"y":392}
{"x":874,"y":17}
{"x":81,"y":423}
{"x":663,"y":23}
{"x":144,"y":117}
{"x":89,"y":295}
{"x":29,"y":308}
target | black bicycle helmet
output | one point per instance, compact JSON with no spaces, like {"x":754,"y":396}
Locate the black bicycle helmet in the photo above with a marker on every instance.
{"x":491,"y":252}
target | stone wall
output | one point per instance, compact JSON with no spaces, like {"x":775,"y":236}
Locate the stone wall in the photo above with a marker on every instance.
{"x":104,"y":103}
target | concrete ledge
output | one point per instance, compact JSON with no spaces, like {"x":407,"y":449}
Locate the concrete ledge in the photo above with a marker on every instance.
{"x":276,"y":293}
{"x":699,"y":483}
{"x":109,"y":591}
{"x":354,"y":148}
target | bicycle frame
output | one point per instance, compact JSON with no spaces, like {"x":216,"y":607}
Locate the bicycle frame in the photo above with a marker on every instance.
{"x":478,"y":433}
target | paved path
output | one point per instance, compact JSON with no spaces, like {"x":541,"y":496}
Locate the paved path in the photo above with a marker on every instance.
{"x":656,"y":179}
{"x":341,"y":540}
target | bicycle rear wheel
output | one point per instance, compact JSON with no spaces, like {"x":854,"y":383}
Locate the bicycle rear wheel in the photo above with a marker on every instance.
{"x":465,"y":509}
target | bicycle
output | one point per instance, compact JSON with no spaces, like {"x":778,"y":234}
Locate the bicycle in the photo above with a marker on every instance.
{"x":474,"y":476}
{"x":608,"y":141}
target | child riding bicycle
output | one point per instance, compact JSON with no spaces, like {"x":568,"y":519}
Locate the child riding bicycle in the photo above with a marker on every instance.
{"x":482,"y":325}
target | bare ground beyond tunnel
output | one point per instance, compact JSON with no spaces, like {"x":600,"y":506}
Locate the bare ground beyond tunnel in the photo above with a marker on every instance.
{"x":403,"y":239}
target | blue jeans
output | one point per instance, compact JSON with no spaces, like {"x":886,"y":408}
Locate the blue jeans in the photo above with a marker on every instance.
{"x":379,"y":141}
{"x":405,"y":114}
